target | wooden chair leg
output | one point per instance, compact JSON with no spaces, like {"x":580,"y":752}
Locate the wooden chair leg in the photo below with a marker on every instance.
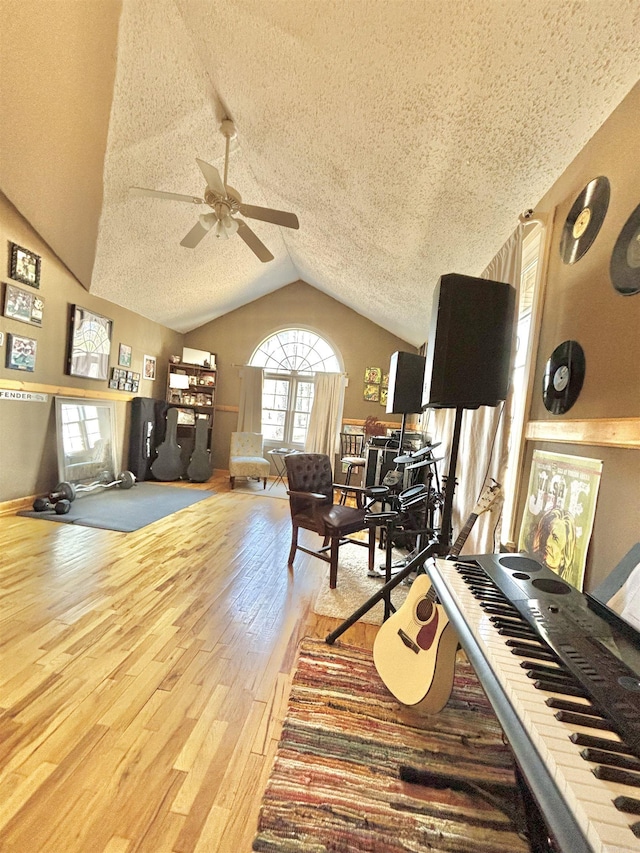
{"x":333,"y":565}
{"x":264,"y":482}
{"x":232,"y":480}
{"x":294,"y":544}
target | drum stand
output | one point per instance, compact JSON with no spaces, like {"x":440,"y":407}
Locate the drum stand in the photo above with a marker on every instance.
{"x":439,"y":546}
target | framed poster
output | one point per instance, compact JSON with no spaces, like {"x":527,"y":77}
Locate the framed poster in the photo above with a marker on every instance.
{"x":21,"y":353}
{"x":22,"y":305}
{"x":371,"y":393}
{"x":558,"y":517}
{"x":89,"y":344}
{"x":25,"y":266}
{"x":372,"y":375}
{"x":149,"y":367}
{"x":124,"y":355}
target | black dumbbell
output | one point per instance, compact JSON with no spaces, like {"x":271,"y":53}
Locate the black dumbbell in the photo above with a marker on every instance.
{"x":61,"y":507}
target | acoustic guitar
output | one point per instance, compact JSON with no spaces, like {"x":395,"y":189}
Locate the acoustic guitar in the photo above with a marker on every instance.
{"x":415,"y":649}
{"x":200,"y":469}
{"x":168,"y":464}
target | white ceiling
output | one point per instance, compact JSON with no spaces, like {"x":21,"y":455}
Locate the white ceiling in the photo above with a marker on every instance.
{"x":407,"y":136}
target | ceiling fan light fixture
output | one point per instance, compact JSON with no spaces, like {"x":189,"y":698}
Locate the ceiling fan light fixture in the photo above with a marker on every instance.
{"x":225,"y":227}
{"x":207,"y":220}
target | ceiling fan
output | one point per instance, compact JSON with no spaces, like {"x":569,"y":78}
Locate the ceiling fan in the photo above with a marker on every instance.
{"x":224,"y":201}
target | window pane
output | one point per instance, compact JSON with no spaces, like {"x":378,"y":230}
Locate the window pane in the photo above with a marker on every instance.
{"x":299,"y":436}
{"x":304,"y":396}
{"x":269,"y":416}
{"x":272,"y":433}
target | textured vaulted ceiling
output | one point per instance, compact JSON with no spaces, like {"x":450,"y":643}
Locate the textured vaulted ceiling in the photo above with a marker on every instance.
{"x":407,"y":136}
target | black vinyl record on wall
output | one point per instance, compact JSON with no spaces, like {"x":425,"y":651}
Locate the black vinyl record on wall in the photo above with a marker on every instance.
{"x":563,"y":377}
{"x":584,"y":219}
{"x":625,"y":259}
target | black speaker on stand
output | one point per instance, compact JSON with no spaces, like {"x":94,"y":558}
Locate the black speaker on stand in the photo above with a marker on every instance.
{"x":467,"y":366}
{"x":406,"y":380}
{"x":468,"y":358}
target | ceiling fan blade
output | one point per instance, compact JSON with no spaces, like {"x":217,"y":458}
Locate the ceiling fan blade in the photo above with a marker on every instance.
{"x":266,"y":214}
{"x":194,"y":236}
{"x":171,"y":196}
{"x":254,"y":242}
{"x":212,"y":177}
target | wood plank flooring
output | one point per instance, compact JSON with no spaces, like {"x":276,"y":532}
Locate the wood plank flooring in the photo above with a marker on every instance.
{"x":144,"y":676}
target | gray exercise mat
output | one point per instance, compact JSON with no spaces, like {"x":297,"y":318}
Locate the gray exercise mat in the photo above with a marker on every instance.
{"x":125,"y":509}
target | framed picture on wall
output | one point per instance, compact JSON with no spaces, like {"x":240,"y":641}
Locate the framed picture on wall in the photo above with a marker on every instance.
{"x":372,"y":393}
{"x":149,"y":367}
{"x":21,"y":353}
{"x":372,"y":375}
{"x":124,"y":355}
{"x":89,"y":344}
{"x":21,"y":305}
{"x":25,"y":266}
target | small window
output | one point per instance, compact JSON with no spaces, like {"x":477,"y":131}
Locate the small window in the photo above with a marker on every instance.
{"x":290,"y":359}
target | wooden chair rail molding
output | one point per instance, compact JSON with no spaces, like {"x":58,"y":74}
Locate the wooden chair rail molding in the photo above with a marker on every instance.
{"x":603,"y":432}
{"x":63,"y":390}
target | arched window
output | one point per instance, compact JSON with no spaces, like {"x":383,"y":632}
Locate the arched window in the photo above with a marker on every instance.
{"x":290,"y":359}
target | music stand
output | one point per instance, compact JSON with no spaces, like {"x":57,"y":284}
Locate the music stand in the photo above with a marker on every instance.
{"x":440,"y":546}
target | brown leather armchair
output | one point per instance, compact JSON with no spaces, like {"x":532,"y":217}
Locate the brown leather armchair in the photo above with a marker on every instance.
{"x":311,"y":500}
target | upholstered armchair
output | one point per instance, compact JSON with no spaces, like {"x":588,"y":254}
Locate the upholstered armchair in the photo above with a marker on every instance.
{"x":311,"y":500}
{"x":246,"y":459}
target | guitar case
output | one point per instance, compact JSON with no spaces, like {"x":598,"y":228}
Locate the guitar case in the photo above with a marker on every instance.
{"x":200,"y":468}
{"x":143,"y":437}
{"x":168,"y":464}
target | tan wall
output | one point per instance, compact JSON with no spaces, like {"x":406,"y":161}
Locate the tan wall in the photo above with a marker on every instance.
{"x":28,"y":460}
{"x":234,"y":337}
{"x":581,"y":304}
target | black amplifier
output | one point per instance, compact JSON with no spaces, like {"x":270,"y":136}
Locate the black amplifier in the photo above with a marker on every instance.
{"x":383,"y":441}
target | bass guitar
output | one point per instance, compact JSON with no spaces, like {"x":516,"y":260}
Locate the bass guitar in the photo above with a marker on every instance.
{"x":168,"y":463}
{"x":415,"y":649}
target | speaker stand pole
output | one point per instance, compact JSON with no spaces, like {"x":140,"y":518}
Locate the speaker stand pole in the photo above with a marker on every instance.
{"x":450,"y":485}
{"x":402,"y":430}
{"x":439,"y":547}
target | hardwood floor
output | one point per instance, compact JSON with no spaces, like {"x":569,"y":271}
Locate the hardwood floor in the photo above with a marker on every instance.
{"x":144,"y":676}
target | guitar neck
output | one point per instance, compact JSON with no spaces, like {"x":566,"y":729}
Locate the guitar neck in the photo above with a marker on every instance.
{"x":462,"y":538}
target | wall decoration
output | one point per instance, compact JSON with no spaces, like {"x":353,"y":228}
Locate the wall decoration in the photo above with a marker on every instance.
{"x":559,"y":513}
{"x":584,"y":219}
{"x":563,"y":377}
{"x":124,"y":355}
{"x":384,"y":393}
{"x":624,"y":268}
{"x":21,"y":305}
{"x":372,"y":393}
{"x":89,"y":344}
{"x":372,"y":375}
{"x":25,"y":266}
{"x":149,"y":367}
{"x":385,"y":380}
{"x":21,"y":353}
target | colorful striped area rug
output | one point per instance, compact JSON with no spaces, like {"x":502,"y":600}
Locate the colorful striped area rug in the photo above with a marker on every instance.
{"x":335,"y":786}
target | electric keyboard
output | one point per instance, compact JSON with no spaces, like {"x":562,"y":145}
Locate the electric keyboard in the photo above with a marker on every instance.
{"x":565,"y":686}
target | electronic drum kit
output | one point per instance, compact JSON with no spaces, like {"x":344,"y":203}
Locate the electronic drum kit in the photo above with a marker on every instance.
{"x":417,"y":504}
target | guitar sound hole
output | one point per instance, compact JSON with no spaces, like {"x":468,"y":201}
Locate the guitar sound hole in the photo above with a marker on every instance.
{"x":424,"y":610}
